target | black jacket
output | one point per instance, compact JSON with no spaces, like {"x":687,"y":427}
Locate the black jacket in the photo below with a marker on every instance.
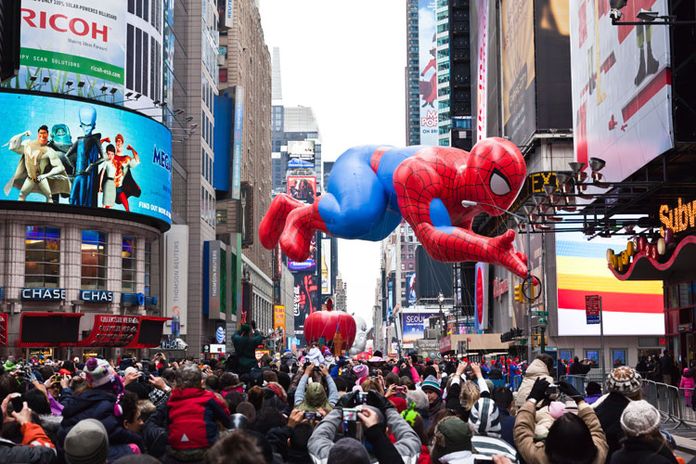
{"x":96,"y":404}
{"x":637,"y":451}
{"x":21,"y":454}
{"x":609,"y":415}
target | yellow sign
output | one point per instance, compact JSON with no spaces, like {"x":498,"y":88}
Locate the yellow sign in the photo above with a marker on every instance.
{"x":279,"y":317}
{"x":680,"y":218}
{"x":537,"y":181}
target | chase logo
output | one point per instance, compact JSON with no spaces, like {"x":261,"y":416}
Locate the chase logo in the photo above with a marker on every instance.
{"x":161,"y":158}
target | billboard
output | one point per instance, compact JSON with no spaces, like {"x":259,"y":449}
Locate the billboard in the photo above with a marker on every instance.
{"x":411,"y":297}
{"x":176,"y":279}
{"x":305,"y":299}
{"x":481,"y":296}
{"x":519,"y":114}
{"x":621,"y":87}
{"x":214,"y":279}
{"x":552,"y":42}
{"x":427,"y":67}
{"x":483,"y":19}
{"x":413,"y":326}
{"x":73,"y":42}
{"x":326,"y":250}
{"x":84,"y":155}
{"x":629,"y":308}
{"x":238,"y":140}
{"x":302,"y":150}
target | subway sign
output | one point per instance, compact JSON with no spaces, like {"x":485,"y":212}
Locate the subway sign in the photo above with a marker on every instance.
{"x":43,"y":294}
{"x":97,"y":296}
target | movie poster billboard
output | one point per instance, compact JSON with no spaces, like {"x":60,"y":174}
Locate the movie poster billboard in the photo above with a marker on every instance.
{"x":427,"y":67}
{"x":84,"y":155}
{"x":66,"y":43}
{"x":305,"y":299}
{"x":621,"y":87}
{"x":326,"y":262}
{"x":628,"y":307}
{"x":301,"y":150}
{"x":481,"y":66}
{"x":519,"y":114}
{"x":411,"y":288}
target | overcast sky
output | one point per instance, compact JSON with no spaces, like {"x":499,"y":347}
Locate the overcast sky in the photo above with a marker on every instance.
{"x":346,"y":60}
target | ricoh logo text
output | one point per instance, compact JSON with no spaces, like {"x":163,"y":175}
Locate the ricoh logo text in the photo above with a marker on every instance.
{"x":63,"y":23}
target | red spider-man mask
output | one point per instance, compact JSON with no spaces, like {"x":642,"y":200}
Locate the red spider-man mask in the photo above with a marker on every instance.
{"x":494,"y":174}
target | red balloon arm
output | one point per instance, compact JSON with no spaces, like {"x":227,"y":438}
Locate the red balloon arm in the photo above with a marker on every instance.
{"x":458,"y":244}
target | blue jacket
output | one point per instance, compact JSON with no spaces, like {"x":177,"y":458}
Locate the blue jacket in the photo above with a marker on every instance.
{"x":95,"y":404}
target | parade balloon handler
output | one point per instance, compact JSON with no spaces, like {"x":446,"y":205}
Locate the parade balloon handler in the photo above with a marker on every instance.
{"x":372,"y":188}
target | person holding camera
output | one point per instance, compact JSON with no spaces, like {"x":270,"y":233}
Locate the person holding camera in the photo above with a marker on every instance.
{"x":311,"y":397}
{"x":366,"y":420}
{"x":576,"y":438}
{"x":36,"y":447}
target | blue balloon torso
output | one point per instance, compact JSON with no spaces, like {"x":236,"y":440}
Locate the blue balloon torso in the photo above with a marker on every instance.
{"x":360,"y":203}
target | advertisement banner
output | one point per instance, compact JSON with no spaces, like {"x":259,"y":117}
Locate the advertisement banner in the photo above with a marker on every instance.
{"x":302,"y":150}
{"x":552,"y":37}
{"x":411,"y":288}
{"x":237,"y":142}
{"x":413,"y":326}
{"x":481,"y":294}
{"x":326,"y":251}
{"x":427,"y":66}
{"x":519,"y":115}
{"x":305,"y":298}
{"x":481,"y":61}
{"x":278,"y":317}
{"x":214,"y":279}
{"x":628,"y":307}
{"x":79,"y":42}
{"x":621,"y":87}
{"x":176,"y":279}
{"x":84,"y":155}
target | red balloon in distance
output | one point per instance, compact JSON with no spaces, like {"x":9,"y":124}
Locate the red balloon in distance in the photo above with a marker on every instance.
{"x":325,"y":324}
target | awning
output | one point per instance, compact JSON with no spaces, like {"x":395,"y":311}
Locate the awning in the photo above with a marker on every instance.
{"x":681,"y":263}
{"x":480,"y":342}
{"x":40,"y":329}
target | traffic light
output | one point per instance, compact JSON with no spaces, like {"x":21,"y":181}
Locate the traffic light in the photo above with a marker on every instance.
{"x":518,"y":293}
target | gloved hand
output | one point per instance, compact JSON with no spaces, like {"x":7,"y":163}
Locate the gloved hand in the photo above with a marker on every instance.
{"x":569,"y":390}
{"x":539,"y":389}
{"x":349,"y":400}
{"x":378,"y":401}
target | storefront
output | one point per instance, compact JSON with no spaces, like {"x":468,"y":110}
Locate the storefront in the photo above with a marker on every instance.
{"x":668,"y":256}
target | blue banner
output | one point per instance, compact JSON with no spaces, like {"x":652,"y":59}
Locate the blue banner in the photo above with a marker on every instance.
{"x":85,"y":155}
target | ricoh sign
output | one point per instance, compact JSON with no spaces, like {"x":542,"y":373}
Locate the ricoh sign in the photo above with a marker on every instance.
{"x":76,"y":40}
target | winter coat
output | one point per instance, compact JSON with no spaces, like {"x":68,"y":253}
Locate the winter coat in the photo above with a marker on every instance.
{"x":637,"y":451}
{"x":408,"y":445}
{"x":535,"y":370}
{"x":96,"y":404}
{"x":193,"y":415}
{"x":36,"y":448}
{"x":609,"y":414}
{"x":245,"y":347}
{"x":535,"y":452}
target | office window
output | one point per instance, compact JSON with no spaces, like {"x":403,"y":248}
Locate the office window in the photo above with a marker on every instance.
{"x":93,"y":250}
{"x":618,"y":357}
{"x":128,"y":263}
{"x":565,"y":355}
{"x":42,"y":258}
{"x":593,"y":355}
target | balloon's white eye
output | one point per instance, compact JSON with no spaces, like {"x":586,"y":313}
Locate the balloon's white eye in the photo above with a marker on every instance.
{"x":499,"y":185}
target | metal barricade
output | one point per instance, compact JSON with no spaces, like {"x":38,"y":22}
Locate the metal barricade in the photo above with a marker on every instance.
{"x":675,"y":405}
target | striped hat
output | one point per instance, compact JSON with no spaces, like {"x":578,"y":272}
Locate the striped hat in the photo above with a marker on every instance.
{"x":431,"y":383}
{"x":624,"y":380}
{"x":484,"y":418}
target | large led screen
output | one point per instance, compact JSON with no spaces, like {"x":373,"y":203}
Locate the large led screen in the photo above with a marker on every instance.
{"x":629,"y":308}
{"x":65,"y":151}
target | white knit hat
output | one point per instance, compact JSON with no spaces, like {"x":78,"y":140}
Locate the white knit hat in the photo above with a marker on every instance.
{"x":640,"y":418}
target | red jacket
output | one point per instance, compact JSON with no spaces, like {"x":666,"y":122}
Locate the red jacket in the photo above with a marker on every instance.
{"x":193,"y":415}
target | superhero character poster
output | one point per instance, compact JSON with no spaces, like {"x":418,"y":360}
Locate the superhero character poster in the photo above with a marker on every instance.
{"x":84,"y":155}
{"x":305,"y":297}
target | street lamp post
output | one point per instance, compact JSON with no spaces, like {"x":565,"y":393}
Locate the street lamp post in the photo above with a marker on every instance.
{"x":440,"y":300}
{"x":528,"y":225}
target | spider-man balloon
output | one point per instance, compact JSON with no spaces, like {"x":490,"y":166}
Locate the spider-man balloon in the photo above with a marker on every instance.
{"x":372,"y":188}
